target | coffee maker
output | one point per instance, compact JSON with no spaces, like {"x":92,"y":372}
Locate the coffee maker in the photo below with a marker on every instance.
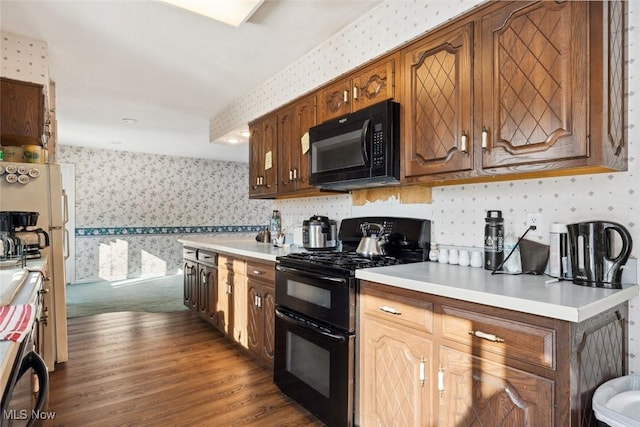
{"x":592,"y":259}
{"x":11,"y":247}
{"x":17,"y":226}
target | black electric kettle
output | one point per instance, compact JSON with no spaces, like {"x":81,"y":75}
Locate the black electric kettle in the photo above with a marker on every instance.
{"x":592,"y":260}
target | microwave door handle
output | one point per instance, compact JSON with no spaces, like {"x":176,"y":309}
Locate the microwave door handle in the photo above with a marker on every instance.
{"x":364,"y":134}
{"x":303,"y":325}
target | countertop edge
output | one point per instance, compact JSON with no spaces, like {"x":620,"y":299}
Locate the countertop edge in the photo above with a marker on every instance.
{"x":555,"y":311}
{"x":243,"y":247}
{"x":249,"y":248}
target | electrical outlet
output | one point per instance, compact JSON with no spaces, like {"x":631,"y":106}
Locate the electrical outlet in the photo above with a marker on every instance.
{"x":534,"y":218}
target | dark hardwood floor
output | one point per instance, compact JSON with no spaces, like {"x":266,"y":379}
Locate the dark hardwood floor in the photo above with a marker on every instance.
{"x":169,"y":369}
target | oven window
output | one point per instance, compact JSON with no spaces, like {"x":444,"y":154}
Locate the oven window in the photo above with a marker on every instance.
{"x":338,"y":152}
{"x":312,"y":294}
{"x":309,"y":362}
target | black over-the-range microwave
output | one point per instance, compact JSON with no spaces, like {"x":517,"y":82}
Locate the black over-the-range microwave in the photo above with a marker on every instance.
{"x":357,"y":150}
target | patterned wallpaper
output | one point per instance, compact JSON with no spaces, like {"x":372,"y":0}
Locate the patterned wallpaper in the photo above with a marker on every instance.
{"x":24,"y":59}
{"x":145,"y":203}
{"x":385,"y":27}
{"x":458,"y":212}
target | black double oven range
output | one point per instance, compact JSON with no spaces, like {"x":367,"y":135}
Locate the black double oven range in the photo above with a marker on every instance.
{"x":316,"y":311}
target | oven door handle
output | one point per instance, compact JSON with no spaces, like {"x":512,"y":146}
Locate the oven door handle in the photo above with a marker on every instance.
{"x":34,"y":360}
{"x":309,"y":274}
{"x":303,"y":325}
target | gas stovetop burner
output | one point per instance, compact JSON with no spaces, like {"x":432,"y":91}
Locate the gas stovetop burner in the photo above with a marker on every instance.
{"x":408,"y":241}
{"x":344,"y":260}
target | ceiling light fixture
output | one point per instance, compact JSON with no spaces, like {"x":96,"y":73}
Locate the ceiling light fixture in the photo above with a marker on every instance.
{"x":231,"y":12}
{"x":233,"y":140}
{"x":130,"y":121}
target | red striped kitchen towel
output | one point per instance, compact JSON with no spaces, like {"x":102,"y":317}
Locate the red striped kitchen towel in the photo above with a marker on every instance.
{"x":16,"y":321}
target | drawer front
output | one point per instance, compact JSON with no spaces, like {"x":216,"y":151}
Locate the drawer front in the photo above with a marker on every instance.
{"x":404,"y":310}
{"x":189,"y":253}
{"x":514,"y":340}
{"x":238,"y":266}
{"x":261,"y":270}
{"x":207,"y":257}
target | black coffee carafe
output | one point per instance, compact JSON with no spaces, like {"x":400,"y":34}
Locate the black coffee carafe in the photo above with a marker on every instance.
{"x":592,"y":260}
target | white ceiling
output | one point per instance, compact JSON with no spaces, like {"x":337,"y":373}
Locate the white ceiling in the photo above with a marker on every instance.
{"x":170,"y":69}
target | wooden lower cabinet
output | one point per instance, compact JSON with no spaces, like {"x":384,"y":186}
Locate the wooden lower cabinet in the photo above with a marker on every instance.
{"x":232,"y":298}
{"x":445,"y":362}
{"x":236,"y":295}
{"x":201,"y":283}
{"x":476,"y":391}
{"x":208,"y":292}
{"x":395,"y":387}
{"x":261,"y":311}
{"x":190,"y":283}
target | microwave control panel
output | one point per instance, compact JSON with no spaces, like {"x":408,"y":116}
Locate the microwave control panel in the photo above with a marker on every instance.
{"x":378,"y":145}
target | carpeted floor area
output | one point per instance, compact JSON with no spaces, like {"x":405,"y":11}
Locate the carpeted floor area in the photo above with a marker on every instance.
{"x":161,"y":294}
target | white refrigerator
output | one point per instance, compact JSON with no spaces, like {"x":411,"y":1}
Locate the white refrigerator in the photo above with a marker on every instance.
{"x":38,"y":188}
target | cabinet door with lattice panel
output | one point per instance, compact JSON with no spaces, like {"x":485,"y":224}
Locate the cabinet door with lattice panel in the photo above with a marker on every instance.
{"x":437,"y":100}
{"x":535,"y":88}
{"x":395,"y":363}
{"x":477,"y":392}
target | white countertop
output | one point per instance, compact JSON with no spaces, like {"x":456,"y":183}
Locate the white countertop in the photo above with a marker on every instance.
{"x":525,"y":293}
{"x":243,"y":246}
{"x":21,"y":285}
{"x":10,"y":281}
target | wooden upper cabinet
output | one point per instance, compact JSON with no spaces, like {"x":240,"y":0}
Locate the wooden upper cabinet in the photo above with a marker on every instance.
{"x":374,"y":84}
{"x":22,"y":112}
{"x":335,"y":100}
{"x":510,"y":89}
{"x":436,"y":103}
{"x":365,"y":87}
{"x":255,"y":148}
{"x":262,"y":157}
{"x":294,"y":122}
{"x":608,"y":85}
{"x":535,"y":83}
{"x":534,"y":88}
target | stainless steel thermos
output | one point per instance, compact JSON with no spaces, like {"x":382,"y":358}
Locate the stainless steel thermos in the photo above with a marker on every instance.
{"x":493,"y":240}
